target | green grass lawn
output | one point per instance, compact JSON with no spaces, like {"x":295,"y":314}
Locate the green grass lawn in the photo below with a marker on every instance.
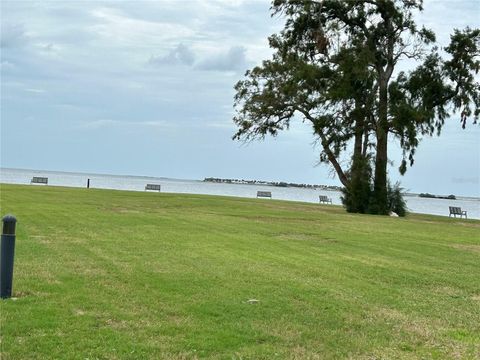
{"x":105,"y":274}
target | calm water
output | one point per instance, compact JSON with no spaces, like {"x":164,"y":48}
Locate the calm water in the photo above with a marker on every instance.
{"x":137,"y":183}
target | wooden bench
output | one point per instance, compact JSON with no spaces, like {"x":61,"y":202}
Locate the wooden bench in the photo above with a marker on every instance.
{"x":155,"y":187}
{"x":324,"y":199}
{"x":266,"y":194}
{"x":454,"y":210}
{"x":39,"y":180}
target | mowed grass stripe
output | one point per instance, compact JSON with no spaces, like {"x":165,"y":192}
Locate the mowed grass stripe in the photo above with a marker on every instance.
{"x":129,"y":275}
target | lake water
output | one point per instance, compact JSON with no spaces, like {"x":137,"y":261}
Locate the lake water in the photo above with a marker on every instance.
{"x":137,"y":183}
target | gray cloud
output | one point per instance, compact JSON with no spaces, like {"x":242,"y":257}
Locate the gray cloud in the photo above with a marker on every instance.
{"x":233,"y":60}
{"x":12,"y":35}
{"x":181,"y":55}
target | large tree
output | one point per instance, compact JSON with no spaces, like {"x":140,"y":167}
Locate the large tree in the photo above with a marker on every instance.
{"x":334,"y":65}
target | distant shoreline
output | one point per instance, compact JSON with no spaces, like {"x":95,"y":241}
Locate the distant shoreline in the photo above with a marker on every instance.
{"x":431,"y":196}
{"x":245,"y":182}
{"x":272,"y":183}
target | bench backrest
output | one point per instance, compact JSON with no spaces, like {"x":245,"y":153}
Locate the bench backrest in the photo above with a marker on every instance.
{"x":152,"y":187}
{"x":455,"y":210}
{"x":39,"y":180}
{"x":264,"y":194}
{"x":323,"y":198}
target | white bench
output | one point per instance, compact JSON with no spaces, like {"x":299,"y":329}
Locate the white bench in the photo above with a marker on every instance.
{"x":265,"y":194}
{"x":39,"y":180}
{"x":454,"y":210}
{"x":324,"y":199}
{"x":155,"y":187}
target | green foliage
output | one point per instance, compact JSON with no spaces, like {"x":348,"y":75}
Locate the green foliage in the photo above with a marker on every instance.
{"x":462,"y":69}
{"x":396,"y":202}
{"x":356,"y":196}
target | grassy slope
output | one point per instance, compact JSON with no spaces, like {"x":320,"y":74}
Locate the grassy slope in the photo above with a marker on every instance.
{"x":129,"y":275}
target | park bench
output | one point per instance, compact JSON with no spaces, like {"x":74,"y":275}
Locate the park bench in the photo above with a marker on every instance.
{"x":266,"y":194}
{"x":39,"y":180}
{"x":154,"y":187}
{"x":454,"y":210}
{"x":324,"y":199}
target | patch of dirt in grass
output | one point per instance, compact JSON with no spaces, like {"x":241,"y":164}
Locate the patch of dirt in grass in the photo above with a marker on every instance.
{"x":469,"y":248}
{"x":419,"y":327}
{"x":41,"y":239}
{"x":116,"y":324}
{"x":476,"y":297}
{"x":178,"y":320}
{"x":385,"y":353}
{"x":184,"y":356}
{"x":418,"y":333}
{"x":79,"y":312}
{"x":22,"y":294}
{"x":447,"y":291}
{"x":89,"y":270}
{"x":300,"y":353}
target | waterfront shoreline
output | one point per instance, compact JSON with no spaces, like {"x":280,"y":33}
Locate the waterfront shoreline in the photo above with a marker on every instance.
{"x":169,"y":185}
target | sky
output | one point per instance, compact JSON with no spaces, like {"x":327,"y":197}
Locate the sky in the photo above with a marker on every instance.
{"x":146,"y":88}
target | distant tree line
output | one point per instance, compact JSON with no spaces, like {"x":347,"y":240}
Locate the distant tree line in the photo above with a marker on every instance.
{"x":431,"y":196}
{"x":270,"y":183}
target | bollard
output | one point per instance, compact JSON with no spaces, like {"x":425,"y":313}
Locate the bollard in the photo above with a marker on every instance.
{"x":6,"y":257}
{"x":88,"y":183}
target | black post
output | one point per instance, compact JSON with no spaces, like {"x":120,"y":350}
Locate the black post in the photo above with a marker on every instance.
{"x":88,"y":183}
{"x":6,"y":257}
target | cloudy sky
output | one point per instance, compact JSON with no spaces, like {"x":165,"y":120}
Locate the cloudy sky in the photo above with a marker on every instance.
{"x":146,"y":88}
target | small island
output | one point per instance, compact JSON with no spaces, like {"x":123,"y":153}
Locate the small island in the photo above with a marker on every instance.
{"x":431,"y":196}
{"x":271,"y":183}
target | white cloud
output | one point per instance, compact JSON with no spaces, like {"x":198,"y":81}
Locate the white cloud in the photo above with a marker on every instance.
{"x":180,"y":55}
{"x":102,"y":123}
{"x":36,"y":91}
{"x":119,"y":28}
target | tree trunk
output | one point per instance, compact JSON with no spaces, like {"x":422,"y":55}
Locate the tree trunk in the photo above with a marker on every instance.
{"x":359,"y":130}
{"x":333,"y":160}
{"x":380,"y":182}
{"x":380,"y":205}
{"x":357,"y":194}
